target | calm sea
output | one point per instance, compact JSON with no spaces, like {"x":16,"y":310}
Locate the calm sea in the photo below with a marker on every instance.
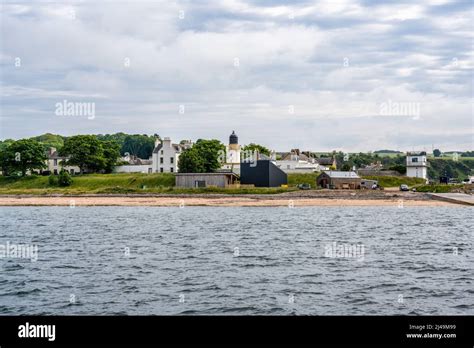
{"x":212,"y":260}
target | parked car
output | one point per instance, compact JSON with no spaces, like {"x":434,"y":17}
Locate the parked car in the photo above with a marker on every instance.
{"x":404,"y":187}
{"x":304,"y":186}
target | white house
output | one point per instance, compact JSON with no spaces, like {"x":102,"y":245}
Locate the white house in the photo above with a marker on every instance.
{"x":165,"y":157}
{"x":55,"y":163}
{"x":417,"y":165}
{"x":134,"y":165}
{"x":299,"y":166}
{"x":296,"y":162}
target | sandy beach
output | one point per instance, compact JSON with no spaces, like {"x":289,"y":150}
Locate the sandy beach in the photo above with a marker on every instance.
{"x":303,"y":199}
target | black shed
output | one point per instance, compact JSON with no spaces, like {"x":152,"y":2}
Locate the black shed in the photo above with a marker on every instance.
{"x":262,"y":173}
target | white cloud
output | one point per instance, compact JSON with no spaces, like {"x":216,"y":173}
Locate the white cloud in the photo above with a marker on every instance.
{"x":335,"y":62}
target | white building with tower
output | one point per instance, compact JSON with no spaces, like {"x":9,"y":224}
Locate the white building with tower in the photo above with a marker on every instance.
{"x":417,"y":165}
{"x":232,"y":154}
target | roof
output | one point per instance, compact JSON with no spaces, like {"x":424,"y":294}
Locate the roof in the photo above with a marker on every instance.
{"x":177,"y":147}
{"x":416,"y":153}
{"x":54,"y":155}
{"x":325,"y":160}
{"x":206,"y":174}
{"x":341,"y":175}
{"x":139,"y":162}
{"x":158,"y":148}
{"x":291,"y":156}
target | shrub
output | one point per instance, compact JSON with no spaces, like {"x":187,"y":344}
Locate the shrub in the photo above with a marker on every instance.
{"x":53,"y":180}
{"x":399,"y":168}
{"x":64,"y":179}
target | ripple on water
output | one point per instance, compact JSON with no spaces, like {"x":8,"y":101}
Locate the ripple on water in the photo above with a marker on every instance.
{"x":190,"y":252}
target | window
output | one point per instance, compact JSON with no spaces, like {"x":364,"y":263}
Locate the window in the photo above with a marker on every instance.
{"x":161,"y":170}
{"x":55,"y":172}
{"x":161,"y":152}
{"x":200,"y":183}
{"x":171,"y":160}
{"x":149,"y":170}
{"x":171,"y":169}
{"x":414,"y":159}
{"x":55,"y":162}
{"x":71,"y":171}
{"x":161,"y":160}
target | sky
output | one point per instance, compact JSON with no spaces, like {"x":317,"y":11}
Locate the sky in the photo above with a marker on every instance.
{"x":356,"y":75}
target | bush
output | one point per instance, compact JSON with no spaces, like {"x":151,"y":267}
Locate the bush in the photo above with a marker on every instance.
{"x":64,"y":179}
{"x":399,"y":168}
{"x":438,"y":188}
{"x":53,"y":180}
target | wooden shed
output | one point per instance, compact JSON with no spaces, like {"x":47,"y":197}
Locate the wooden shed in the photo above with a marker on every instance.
{"x":193,"y":180}
{"x":338,"y":180}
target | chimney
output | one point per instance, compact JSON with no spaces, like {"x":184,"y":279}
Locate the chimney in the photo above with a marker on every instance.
{"x":167,"y":142}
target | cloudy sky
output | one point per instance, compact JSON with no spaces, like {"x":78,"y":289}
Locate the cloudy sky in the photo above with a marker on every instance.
{"x":320,"y":75}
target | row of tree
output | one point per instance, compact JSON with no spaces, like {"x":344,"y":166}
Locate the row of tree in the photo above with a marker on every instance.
{"x":87,"y":152}
{"x":140,"y":145}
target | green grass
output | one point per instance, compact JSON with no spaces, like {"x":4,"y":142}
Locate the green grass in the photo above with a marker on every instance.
{"x":395,"y":181}
{"x":92,"y":183}
{"x":137,"y":183}
{"x":302,"y":178}
{"x":117,"y":184}
{"x":438,"y":188}
{"x":388,"y":154}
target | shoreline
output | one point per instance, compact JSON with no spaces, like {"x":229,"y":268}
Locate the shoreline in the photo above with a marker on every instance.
{"x":302,"y":200}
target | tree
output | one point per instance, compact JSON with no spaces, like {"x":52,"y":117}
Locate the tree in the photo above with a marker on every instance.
{"x":50,"y":140}
{"x":346,"y":167}
{"x":64,"y":179}
{"x":399,"y":168}
{"x":5,"y":157}
{"x":25,"y":155}
{"x":111,"y":154}
{"x":138,"y":145}
{"x":203,"y":157}
{"x":191,"y":162}
{"x":256,"y":147}
{"x":84,"y":151}
{"x":436,"y":153}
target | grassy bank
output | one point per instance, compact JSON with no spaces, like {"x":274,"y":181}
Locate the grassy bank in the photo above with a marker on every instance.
{"x":164,"y":183}
{"x":439,"y":188}
{"x":115,"y":183}
{"x":396,"y":181}
{"x":302,"y":178}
